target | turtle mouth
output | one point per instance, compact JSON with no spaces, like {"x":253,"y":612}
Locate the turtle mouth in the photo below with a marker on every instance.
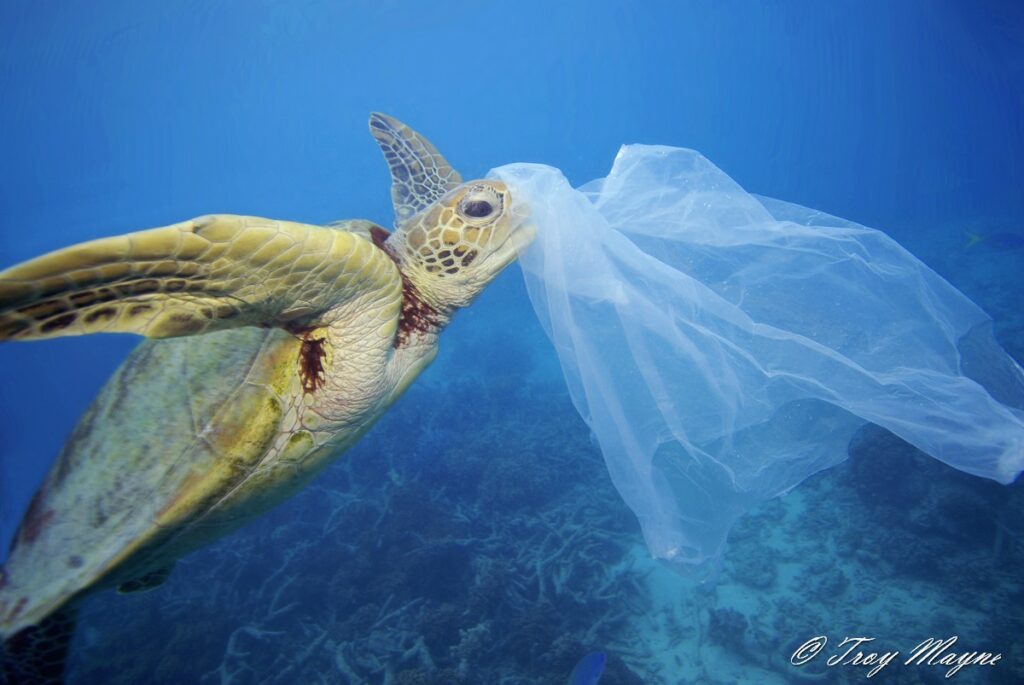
{"x":521,"y":233}
{"x":521,"y":236}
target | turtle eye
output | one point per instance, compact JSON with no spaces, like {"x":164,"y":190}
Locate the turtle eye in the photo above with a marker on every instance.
{"x":478,"y":209}
{"x":480,"y":205}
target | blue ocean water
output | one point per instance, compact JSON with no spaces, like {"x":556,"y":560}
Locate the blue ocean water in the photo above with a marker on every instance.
{"x":473,"y":536}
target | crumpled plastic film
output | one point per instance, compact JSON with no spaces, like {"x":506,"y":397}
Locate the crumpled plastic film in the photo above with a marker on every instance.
{"x":722,"y":347}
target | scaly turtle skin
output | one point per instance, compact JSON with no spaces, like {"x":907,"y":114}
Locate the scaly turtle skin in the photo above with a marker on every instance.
{"x":273,"y":347}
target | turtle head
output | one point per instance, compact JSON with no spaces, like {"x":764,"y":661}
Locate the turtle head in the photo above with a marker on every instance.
{"x":457,"y":245}
{"x":451,"y":238}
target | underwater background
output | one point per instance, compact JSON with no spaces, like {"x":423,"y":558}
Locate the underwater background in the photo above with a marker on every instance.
{"x":473,"y":536}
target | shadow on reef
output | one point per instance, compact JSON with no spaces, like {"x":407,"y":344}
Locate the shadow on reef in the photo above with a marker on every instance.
{"x":477,"y":542}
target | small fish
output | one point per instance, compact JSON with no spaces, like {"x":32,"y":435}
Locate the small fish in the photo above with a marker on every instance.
{"x":1004,"y":240}
{"x":589,"y":669}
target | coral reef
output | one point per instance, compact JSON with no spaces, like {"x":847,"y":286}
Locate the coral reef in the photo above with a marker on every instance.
{"x":458,"y":557}
{"x":728,"y":627}
{"x":474,"y":536}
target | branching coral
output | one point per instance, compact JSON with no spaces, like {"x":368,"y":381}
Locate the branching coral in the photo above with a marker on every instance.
{"x":406,"y":565}
{"x":492,"y":548}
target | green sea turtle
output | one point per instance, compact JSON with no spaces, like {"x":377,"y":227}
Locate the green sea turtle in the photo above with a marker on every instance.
{"x":273,"y":347}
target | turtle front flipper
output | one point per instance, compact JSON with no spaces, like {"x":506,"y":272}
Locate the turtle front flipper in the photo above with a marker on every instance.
{"x":419,"y":174}
{"x":198,"y":276}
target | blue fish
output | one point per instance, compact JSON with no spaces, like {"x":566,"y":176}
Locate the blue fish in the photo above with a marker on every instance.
{"x":589,"y":669}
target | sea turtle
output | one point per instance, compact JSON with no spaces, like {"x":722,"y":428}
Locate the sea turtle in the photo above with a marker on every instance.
{"x":273,"y":346}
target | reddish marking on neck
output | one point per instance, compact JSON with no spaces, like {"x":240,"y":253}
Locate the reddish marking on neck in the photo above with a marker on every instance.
{"x":379,"y":237}
{"x":417,"y":315}
{"x":311,"y":364}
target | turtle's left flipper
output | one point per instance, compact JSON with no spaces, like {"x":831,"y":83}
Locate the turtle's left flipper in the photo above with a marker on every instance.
{"x":419,"y":174}
{"x":211,"y":273}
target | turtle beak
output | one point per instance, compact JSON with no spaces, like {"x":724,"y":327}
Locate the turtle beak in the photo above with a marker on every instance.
{"x":522,"y":237}
{"x":521,"y":233}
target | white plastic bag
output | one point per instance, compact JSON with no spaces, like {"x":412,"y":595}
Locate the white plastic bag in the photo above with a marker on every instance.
{"x":723,"y":347}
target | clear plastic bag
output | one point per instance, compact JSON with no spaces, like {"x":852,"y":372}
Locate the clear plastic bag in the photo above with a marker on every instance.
{"x":723,"y":347}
